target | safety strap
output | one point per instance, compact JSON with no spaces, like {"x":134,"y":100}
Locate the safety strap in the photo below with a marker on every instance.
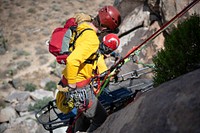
{"x":88,"y":61}
{"x":73,"y":29}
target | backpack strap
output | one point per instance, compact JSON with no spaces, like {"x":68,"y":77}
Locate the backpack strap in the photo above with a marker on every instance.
{"x":83,"y":31}
{"x":92,"y":61}
{"x":76,"y":37}
{"x":88,"y":61}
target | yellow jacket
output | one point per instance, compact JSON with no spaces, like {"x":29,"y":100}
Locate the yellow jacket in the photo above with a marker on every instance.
{"x":86,"y":44}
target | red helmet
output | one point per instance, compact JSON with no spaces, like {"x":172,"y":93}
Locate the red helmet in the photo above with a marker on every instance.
{"x":110,"y":17}
{"x":111,"y":41}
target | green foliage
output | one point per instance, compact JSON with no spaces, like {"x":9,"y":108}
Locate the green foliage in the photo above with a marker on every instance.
{"x":181,"y":53}
{"x":2,"y":104}
{"x":39,"y":104}
{"x":3,"y":45}
{"x":31,"y":10}
{"x":22,"y":52}
{"x":50,"y":86}
{"x":30,"y":87}
{"x":53,"y":64}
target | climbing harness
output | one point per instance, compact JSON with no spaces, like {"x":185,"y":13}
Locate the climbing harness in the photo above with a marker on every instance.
{"x":79,"y":96}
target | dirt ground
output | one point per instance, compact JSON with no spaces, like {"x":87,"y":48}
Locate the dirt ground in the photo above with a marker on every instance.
{"x":26,"y":25}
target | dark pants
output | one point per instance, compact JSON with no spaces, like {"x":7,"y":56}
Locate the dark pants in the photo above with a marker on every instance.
{"x":92,"y":118}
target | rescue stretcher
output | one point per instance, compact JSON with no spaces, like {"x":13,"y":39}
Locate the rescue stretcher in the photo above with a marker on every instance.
{"x":52,"y":118}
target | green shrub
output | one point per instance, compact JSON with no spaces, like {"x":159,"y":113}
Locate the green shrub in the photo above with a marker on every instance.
{"x":181,"y":53}
{"x":39,"y":104}
{"x":22,"y":52}
{"x":30,"y":87}
{"x":31,"y":10}
{"x":50,"y":86}
{"x":3,"y":44}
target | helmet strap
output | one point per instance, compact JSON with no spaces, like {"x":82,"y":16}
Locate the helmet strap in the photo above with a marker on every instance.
{"x":98,"y":32}
{"x":96,"y":22}
{"x":104,"y":49}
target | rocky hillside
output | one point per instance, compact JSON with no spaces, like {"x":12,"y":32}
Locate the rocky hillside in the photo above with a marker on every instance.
{"x":26,"y":62}
{"x":173,"y":107}
{"x":26,"y":25}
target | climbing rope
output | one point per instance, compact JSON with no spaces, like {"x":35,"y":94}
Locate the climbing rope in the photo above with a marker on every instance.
{"x":164,"y":27}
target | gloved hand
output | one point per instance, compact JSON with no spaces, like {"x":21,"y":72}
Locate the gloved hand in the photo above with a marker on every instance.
{"x":64,"y":88}
{"x":69,"y":102}
{"x":63,"y":102}
{"x":117,"y":56}
{"x":114,"y":77}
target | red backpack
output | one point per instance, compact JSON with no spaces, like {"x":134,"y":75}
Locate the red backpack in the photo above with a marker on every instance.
{"x":60,"y":41}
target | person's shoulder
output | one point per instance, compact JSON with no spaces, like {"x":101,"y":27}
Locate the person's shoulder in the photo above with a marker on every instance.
{"x":84,"y":25}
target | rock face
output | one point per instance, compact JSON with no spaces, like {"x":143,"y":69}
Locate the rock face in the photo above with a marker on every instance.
{"x":141,"y":20}
{"x":173,"y":107}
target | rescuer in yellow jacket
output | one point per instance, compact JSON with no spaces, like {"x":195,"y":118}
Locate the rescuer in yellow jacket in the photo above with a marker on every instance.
{"x":86,"y":47}
{"x":82,"y":62}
